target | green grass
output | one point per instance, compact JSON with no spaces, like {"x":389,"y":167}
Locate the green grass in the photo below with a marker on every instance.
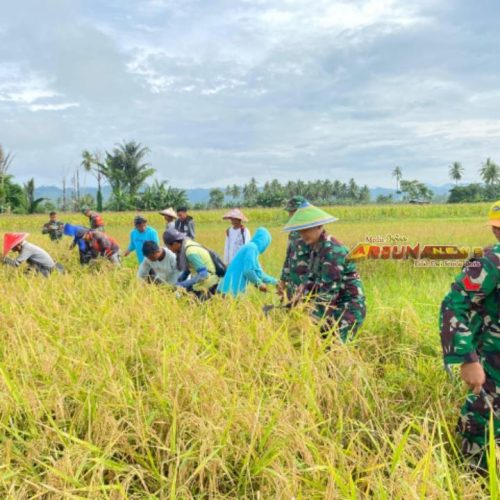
{"x":112,"y":389}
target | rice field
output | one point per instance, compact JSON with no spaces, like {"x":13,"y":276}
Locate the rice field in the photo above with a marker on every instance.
{"x":114,"y":389}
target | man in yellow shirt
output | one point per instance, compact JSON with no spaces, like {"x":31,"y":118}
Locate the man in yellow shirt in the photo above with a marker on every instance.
{"x":194,"y":262}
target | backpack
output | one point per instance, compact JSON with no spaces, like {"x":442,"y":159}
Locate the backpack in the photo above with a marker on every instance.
{"x":220,"y":267}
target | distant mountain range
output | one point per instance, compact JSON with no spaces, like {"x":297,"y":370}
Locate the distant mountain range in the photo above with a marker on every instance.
{"x":201,"y":195}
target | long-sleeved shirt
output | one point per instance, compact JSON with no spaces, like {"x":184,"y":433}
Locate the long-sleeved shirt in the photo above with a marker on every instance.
{"x":333,"y":285}
{"x":137,"y":239}
{"x":470,"y":314}
{"x":164,"y":270}
{"x":35,"y":257}
{"x":235,"y":239}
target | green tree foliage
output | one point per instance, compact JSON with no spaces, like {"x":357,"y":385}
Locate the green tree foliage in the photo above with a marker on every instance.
{"x":5,"y":161}
{"x":472,"y":193}
{"x":415,"y":190}
{"x":160,"y":195}
{"x":15,"y":200}
{"x":216,"y":199}
{"x":125,"y":170}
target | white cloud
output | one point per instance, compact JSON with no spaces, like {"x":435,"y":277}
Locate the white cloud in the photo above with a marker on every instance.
{"x":53,"y":107}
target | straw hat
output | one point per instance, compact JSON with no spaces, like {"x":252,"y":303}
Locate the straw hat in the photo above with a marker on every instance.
{"x":235,"y":213}
{"x":494,"y":215}
{"x":308,"y":216}
{"x":170,"y":212}
{"x":10,"y":240}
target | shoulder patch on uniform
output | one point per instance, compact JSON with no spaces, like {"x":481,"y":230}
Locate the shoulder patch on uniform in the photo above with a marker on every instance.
{"x":469,"y":285}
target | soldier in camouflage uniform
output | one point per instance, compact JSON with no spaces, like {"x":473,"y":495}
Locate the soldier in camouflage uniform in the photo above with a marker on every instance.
{"x":323,"y":278}
{"x":293,"y":274}
{"x":470,"y":335}
{"x":53,"y":228}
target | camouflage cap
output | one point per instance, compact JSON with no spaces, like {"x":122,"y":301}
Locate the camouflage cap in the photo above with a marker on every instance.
{"x":494,"y":215}
{"x":294,"y":203}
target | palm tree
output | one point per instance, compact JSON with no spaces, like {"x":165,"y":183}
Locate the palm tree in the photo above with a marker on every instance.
{"x":490,"y":172}
{"x":398,"y":174}
{"x":456,"y":172}
{"x":31,"y":202}
{"x":92,"y":163}
{"x":126,"y":172}
{"x":5,"y":161}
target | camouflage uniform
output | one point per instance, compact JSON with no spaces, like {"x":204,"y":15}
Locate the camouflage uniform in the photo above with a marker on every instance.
{"x":330,"y":284}
{"x":470,"y":331}
{"x":295,"y":267}
{"x":54,"y":230}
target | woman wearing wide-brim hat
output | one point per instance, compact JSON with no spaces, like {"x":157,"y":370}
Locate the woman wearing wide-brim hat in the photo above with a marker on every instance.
{"x":237,"y":235}
{"x":331,"y":285}
{"x":169,"y":215}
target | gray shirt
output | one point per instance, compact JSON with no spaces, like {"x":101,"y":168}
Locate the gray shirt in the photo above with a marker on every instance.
{"x":165,"y":271}
{"x":34,"y":255}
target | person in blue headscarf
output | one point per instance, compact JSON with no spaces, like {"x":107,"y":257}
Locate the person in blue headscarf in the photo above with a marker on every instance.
{"x":77,"y":233}
{"x":245,"y":267}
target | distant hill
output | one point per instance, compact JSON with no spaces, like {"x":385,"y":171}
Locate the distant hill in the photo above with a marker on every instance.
{"x":202,"y":195}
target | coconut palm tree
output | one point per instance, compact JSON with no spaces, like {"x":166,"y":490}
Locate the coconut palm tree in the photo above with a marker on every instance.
{"x":32,"y":203}
{"x":398,"y":174}
{"x":92,"y":163}
{"x":126,"y":172}
{"x":456,"y":172}
{"x":490,"y":172}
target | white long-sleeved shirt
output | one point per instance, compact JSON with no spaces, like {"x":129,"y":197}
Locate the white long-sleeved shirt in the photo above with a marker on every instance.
{"x":235,"y":239}
{"x":165,"y":270}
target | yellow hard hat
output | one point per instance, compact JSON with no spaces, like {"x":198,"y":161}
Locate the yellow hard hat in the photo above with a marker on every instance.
{"x":494,"y":215}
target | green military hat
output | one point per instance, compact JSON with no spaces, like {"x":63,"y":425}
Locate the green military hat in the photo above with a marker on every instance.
{"x":308,"y":216}
{"x":294,"y":203}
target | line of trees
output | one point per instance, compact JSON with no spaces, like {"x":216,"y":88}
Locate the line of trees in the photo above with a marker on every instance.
{"x":126,"y":170}
{"x":489,"y":190}
{"x":273,"y":193}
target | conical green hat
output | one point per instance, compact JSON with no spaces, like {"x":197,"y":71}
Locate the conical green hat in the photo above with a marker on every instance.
{"x":308,"y":216}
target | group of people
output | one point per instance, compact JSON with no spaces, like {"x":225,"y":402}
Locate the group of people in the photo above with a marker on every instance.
{"x":316,"y":272}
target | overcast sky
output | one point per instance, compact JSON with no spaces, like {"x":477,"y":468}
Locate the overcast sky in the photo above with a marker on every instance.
{"x":222,"y":90}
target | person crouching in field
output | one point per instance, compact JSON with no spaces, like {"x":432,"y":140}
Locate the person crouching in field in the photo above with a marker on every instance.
{"x":78,"y":233}
{"x":245,"y":268}
{"x":102,"y":245}
{"x":38,"y":260}
{"x":293,"y":272}
{"x":95,"y":220}
{"x":330,"y":285}
{"x":470,"y":336}
{"x":53,"y":228}
{"x":139,"y":236}
{"x":237,"y":235}
{"x":159,"y":265}
{"x":199,"y":274}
